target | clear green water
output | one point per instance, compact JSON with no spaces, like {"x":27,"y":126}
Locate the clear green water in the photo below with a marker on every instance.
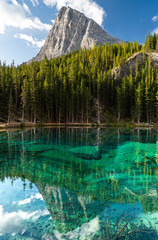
{"x":79,"y":183}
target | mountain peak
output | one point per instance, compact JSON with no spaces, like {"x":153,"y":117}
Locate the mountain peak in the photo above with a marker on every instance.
{"x":68,"y":11}
{"x":73,"y":30}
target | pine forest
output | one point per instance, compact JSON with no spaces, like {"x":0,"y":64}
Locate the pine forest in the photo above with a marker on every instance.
{"x":83,"y":87}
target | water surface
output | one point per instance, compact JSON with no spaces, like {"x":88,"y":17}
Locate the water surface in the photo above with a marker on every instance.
{"x":79,"y":183}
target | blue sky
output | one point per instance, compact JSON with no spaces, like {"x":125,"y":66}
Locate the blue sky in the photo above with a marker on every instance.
{"x":24,"y":24}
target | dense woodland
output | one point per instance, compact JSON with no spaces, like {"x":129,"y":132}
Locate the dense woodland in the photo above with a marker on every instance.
{"x":80,"y":87}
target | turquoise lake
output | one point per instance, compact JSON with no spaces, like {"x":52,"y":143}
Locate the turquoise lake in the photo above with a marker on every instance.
{"x":79,"y":183}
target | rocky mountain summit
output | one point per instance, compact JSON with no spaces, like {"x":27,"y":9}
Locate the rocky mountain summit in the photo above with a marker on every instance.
{"x":73,"y":30}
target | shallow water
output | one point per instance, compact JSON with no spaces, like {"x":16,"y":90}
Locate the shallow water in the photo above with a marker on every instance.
{"x":79,"y":183}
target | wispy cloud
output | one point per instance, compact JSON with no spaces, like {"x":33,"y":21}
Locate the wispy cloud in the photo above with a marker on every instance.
{"x":34,"y":2}
{"x":90,"y":8}
{"x":13,"y":14}
{"x":26,"y":8}
{"x":155,"y":18}
{"x":30,"y":41}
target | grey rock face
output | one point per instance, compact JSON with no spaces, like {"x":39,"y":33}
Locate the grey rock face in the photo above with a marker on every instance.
{"x":125,"y":69}
{"x":72,"y":30}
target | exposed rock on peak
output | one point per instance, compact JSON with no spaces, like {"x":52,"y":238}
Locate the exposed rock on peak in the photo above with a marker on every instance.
{"x":130,"y":63}
{"x":72,"y":30}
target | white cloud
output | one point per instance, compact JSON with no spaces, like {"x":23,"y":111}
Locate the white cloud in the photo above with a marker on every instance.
{"x":34,"y":42}
{"x":155,"y":18}
{"x":13,"y":222}
{"x":34,"y":2}
{"x":40,"y":214}
{"x":53,"y":21}
{"x":28,"y":200}
{"x":155,"y":31}
{"x":13,"y":14}
{"x":90,"y":8}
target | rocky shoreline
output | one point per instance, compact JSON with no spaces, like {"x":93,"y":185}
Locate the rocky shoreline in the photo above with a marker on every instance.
{"x":108,"y":124}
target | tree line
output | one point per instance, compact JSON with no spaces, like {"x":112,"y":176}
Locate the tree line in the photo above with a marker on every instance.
{"x":80,"y":87}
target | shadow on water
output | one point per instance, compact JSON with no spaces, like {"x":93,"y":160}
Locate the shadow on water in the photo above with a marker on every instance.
{"x":97,"y":183}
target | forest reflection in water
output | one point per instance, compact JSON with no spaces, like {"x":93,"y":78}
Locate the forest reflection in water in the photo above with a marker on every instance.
{"x":96,"y":183}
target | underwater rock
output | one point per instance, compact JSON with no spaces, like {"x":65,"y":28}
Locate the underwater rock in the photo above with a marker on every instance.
{"x":137,"y":152}
{"x":88,"y":152}
{"x":39,"y":148}
{"x":49,"y":237}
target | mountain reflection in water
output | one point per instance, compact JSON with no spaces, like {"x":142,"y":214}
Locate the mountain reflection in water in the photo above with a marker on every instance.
{"x":94,"y":183}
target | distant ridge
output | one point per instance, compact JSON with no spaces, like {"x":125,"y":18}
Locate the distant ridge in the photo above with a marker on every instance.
{"x":72,"y":30}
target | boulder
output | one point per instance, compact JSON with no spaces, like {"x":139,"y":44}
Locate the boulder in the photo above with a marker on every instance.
{"x":88,"y":152}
